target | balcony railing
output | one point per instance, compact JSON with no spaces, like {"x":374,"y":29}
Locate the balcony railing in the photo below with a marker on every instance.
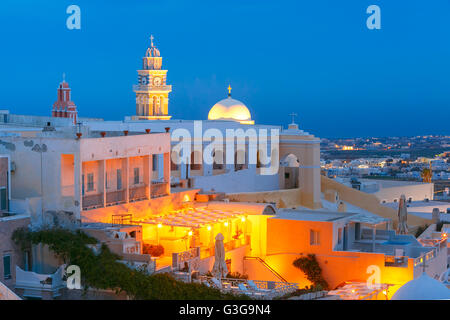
{"x":138,"y":87}
{"x":229,"y":245}
{"x":179,"y":258}
{"x":115,"y":197}
{"x":92,"y":201}
{"x":138,"y":193}
{"x":159,"y":189}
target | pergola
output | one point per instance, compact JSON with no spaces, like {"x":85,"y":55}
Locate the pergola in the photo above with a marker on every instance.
{"x":194,"y":217}
{"x":371,"y":221}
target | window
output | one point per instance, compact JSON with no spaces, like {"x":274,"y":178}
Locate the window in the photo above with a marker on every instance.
{"x":3,"y":199}
{"x":314,"y":237}
{"x":106,"y":180}
{"x":136,"y":176}
{"x":90,"y":182}
{"x":82,"y":184}
{"x":155,"y":162}
{"x":174,"y":161}
{"x":26,"y":260}
{"x":339,"y":235}
{"x":6,"y":266}
{"x":196,"y":161}
{"x":286,"y":175}
{"x":119,"y":179}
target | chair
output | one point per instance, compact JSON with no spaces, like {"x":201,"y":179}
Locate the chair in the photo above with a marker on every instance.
{"x":217,"y":283}
{"x":244,"y":289}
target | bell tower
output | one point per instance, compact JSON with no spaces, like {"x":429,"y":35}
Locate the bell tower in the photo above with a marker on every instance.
{"x":152,"y":91}
{"x":63,"y":106}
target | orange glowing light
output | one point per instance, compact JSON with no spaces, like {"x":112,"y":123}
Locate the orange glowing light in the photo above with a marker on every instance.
{"x":385,"y":292}
{"x":186,"y":198}
{"x":243,"y":219}
{"x":226,"y":224}
{"x":190,"y":233}
{"x":209,"y":228}
{"x":159,"y":225}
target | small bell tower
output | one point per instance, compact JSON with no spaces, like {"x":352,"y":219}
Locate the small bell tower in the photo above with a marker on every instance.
{"x":152,"y":91}
{"x":63,"y":106}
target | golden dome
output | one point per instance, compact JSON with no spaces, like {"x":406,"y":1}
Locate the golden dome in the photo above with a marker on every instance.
{"x":230,"y":109}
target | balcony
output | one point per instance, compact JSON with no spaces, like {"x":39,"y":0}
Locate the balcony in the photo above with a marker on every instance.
{"x":35,"y":285}
{"x":115,"y":197}
{"x":138,"y":87}
{"x":92,"y":201}
{"x":159,"y":189}
{"x":138,"y":193}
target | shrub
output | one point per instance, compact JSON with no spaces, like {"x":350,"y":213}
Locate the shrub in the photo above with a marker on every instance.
{"x":103,"y":271}
{"x":312,"y":270}
{"x":153,"y":250}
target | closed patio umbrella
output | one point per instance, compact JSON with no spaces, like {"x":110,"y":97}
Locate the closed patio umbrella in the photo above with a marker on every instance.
{"x":220,"y":269}
{"x":402,"y":227}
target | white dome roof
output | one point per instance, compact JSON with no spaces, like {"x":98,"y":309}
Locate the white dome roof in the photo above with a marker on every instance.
{"x":422,"y":288}
{"x":229,"y":109}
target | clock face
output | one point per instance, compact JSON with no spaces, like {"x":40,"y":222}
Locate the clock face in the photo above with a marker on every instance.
{"x":157,"y":81}
{"x":144,"y":80}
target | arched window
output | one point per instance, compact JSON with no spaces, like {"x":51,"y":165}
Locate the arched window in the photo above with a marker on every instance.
{"x":239,"y":160}
{"x":155,"y":105}
{"x":174,"y":161}
{"x":196,"y":160}
{"x":217,"y":160}
{"x":161,"y":105}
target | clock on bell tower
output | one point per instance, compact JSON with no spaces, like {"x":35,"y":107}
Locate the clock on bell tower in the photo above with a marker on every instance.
{"x":152,"y":91}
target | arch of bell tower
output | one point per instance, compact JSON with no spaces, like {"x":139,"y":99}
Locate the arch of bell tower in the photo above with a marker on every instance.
{"x":306,"y":148}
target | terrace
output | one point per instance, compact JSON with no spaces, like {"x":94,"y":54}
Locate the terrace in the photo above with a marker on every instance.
{"x":189,"y":233}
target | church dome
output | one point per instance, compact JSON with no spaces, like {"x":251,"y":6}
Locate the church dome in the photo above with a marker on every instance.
{"x":230,"y":109}
{"x":422,"y":288}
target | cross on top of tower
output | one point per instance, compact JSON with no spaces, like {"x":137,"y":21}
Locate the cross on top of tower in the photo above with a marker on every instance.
{"x":293,"y":115}
{"x":229,"y":90}
{"x":151,"y":40}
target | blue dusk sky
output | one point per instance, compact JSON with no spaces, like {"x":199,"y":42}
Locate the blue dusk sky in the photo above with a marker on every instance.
{"x":315,"y":58}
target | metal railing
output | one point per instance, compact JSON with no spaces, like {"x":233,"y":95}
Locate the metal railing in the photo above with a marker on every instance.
{"x":138,"y":193}
{"x":139,"y":87}
{"x":279,"y":276}
{"x":179,"y":258}
{"x":158,"y":189}
{"x":115,"y":197}
{"x":92,"y":201}
{"x":229,"y":245}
